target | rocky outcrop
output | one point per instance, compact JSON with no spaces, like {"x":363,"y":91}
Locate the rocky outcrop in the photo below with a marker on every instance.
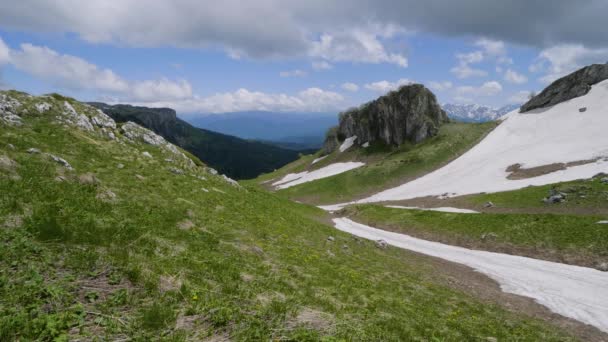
{"x":568,"y":87}
{"x":408,"y":114}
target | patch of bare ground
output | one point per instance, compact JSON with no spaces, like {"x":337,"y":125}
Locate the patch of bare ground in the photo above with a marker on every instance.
{"x":469,"y":281}
{"x":516,"y":171}
{"x":487,"y":242}
{"x":465,"y":202}
{"x":312,"y":319}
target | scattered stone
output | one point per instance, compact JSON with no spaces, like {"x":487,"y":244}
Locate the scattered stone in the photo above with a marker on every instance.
{"x":60,"y":179}
{"x":7,"y":164}
{"x":331,"y":239}
{"x":61,"y":161}
{"x":205,"y":190}
{"x":120,"y":166}
{"x":33,"y":151}
{"x":489,"y":236}
{"x":330,"y":253}
{"x":106,"y":195}
{"x":211,"y":171}
{"x":169,"y":283}
{"x":176,"y":171}
{"x":381,"y":244}
{"x":10,"y":147}
{"x":111,"y":135}
{"x":140,"y":177}
{"x":231,"y":181}
{"x":488,"y":205}
{"x":247,"y":277}
{"x":43,"y":107}
{"x":169,"y":160}
{"x":102,"y":120}
{"x":555,"y":197}
{"x":602,"y":222}
{"x":88,"y":178}
{"x":185,"y":225}
{"x":604,"y":180}
{"x":582,"y":109}
{"x":146,"y":154}
{"x":491,"y":339}
{"x":366,"y":145}
{"x":8,"y":106}
{"x":603,"y":266}
{"x":344,"y":246}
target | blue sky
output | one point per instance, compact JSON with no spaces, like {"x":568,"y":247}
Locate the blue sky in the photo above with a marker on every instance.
{"x":289,"y":56}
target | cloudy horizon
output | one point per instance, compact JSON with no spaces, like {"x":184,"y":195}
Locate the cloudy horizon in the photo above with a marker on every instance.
{"x":293,"y":56}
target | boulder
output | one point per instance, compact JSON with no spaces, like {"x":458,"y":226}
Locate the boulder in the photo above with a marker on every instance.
{"x":568,"y":87}
{"x":408,"y":114}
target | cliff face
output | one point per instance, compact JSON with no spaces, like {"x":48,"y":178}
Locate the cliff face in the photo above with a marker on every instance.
{"x":568,"y":87}
{"x":408,"y":114}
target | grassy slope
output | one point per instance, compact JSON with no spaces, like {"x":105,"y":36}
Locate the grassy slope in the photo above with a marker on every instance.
{"x":252,"y":266}
{"x":576,"y":239}
{"x":387,"y":169}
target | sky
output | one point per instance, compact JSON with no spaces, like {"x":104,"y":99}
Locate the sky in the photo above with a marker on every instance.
{"x":201,"y":56}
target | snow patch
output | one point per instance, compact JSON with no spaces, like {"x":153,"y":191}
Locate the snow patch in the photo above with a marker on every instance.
{"x":442,"y":209}
{"x":348,"y":143}
{"x":559,"y":134}
{"x":324,"y":172}
{"x":571,"y":291}
{"x":318,"y":160}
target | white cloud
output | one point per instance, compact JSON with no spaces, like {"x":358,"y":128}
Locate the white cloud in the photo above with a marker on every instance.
{"x":492,"y":47}
{"x":490,"y":88}
{"x":308,"y":100}
{"x":153,"y":90}
{"x":350,"y":87}
{"x":75,"y":73}
{"x":4,"y":53}
{"x":441,"y":86}
{"x":520,"y":97}
{"x":68,"y":71}
{"x":470,"y":58}
{"x":513,"y":76}
{"x":386,"y":86}
{"x":561,"y":60}
{"x":293,"y":73}
{"x":321,"y":65}
{"x":357,"y":46}
{"x":463,"y":71}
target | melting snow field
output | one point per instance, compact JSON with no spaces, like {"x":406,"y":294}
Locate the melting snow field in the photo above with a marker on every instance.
{"x":442,"y":209}
{"x":348,"y":143}
{"x":303,"y":177}
{"x":318,"y":160}
{"x":576,"y":292}
{"x":558,"y":134}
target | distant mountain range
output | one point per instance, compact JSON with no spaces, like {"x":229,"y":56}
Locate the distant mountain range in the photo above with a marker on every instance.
{"x":476,"y":113}
{"x":298,"y":131}
{"x":238,"y":158}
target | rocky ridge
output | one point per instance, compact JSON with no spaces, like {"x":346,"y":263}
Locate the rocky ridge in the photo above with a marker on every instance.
{"x":568,"y":87}
{"x":410,"y":113}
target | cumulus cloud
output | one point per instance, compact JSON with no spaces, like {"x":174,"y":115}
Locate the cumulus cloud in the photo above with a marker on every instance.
{"x":293,"y":73}
{"x":463,"y":71}
{"x":350,"y":87}
{"x":513,"y":76}
{"x":441,"y":86}
{"x":308,"y":100}
{"x":4,"y":53}
{"x":321,"y":65}
{"x":490,"y":88}
{"x":561,"y":60}
{"x":76,"y":73}
{"x":358,"y":46}
{"x":386,"y":86}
